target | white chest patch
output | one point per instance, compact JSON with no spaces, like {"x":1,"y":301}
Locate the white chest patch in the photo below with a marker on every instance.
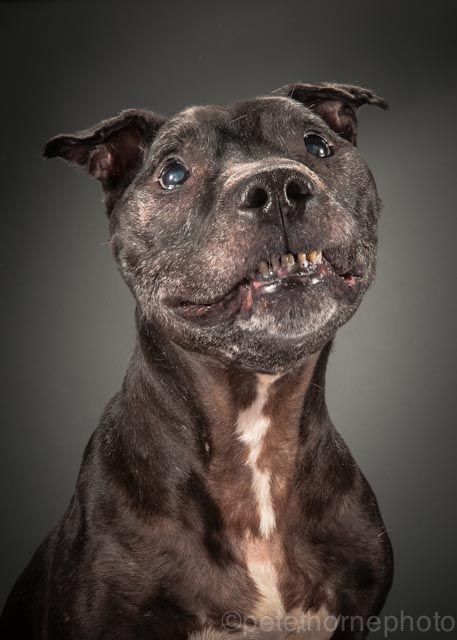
{"x":261,"y":559}
{"x":269,"y":620}
{"x":252,"y":425}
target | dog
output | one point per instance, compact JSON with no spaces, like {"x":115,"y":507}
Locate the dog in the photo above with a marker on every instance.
{"x":215,"y":499}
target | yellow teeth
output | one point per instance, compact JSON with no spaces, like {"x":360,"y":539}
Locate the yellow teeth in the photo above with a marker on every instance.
{"x":314,"y":256}
{"x":275,"y":262}
{"x":287,"y":260}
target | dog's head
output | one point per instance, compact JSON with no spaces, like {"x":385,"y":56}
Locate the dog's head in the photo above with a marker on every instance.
{"x":246,"y":232}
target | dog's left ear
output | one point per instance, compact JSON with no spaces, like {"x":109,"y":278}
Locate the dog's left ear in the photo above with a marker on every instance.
{"x":112,"y":151}
{"x":337,"y":104}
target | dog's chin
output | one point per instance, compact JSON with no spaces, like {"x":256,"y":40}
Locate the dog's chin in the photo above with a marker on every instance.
{"x":270,"y":327}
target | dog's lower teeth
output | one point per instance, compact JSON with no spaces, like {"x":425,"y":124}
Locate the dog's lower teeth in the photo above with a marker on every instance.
{"x":284,"y":261}
{"x":301,"y":259}
{"x":275,"y":262}
{"x":290,"y":260}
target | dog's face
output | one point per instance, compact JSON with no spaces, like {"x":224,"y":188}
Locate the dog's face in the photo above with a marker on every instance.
{"x":246,"y":232}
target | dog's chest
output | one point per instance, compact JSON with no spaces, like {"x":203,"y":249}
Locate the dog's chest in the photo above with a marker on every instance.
{"x":271,"y":618}
{"x":254,"y":503}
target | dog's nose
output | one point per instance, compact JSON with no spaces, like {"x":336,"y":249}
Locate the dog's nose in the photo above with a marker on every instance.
{"x":289,"y":190}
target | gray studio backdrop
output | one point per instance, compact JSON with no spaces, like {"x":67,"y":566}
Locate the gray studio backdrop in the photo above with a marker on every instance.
{"x":68,"y":317}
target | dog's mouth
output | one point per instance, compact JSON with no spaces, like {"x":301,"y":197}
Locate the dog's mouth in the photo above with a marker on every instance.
{"x":303,"y":271}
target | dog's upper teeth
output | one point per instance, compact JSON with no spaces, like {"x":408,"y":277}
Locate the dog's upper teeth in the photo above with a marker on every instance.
{"x":314,"y":256}
{"x":275,"y":262}
{"x":287,"y":260}
{"x":264,"y":268}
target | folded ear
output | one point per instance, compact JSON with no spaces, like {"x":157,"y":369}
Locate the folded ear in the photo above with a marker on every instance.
{"x":337,"y":104}
{"x":111,"y":151}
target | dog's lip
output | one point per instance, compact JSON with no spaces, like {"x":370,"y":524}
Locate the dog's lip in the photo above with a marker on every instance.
{"x":255,"y":285}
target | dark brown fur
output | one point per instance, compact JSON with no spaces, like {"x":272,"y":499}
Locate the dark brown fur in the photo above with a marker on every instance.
{"x":156,"y":541}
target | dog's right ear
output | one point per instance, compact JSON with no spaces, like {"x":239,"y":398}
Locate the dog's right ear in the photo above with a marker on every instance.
{"x":111,"y":151}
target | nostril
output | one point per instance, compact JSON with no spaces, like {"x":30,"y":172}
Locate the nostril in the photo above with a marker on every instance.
{"x":255,"y":198}
{"x":297,"y":190}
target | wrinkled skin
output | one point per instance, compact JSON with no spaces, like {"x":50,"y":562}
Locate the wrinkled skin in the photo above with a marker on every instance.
{"x":157,"y":539}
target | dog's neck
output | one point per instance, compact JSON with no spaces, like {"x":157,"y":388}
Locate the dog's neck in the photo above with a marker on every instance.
{"x":254,"y":426}
{"x":238,"y":431}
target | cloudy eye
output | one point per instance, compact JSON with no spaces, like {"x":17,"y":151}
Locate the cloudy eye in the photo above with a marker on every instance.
{"x":316,"y":145}
{"x":173,"y":175}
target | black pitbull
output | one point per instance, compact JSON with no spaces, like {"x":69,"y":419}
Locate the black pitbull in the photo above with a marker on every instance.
{"x":215,"y":499}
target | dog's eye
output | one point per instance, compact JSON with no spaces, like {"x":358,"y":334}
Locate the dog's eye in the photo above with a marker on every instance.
{"x":173,"y":175}
{"x":316,"y":145}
